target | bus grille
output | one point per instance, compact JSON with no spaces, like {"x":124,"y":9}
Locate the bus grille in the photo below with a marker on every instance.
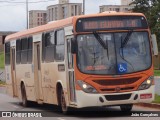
{"x":117,"y":81}
{"x":114,"y":90}
{"x":117,"y":97}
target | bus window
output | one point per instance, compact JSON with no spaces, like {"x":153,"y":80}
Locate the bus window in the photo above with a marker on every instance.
{"x":30,"y":46}
{"x":24,"y":51}
{"x":48,"y":46}
{"x":18,"y":51}
{"x":59,"y":45}
{"x":7,"y":53}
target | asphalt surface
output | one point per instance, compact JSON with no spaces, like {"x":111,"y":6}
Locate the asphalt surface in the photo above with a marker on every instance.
{"x":7,"y":103}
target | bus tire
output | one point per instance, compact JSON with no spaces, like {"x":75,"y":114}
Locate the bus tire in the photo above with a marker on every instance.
{"x":126,"y":107}
{"x":25,"y":102}
{"x":64,"y":107}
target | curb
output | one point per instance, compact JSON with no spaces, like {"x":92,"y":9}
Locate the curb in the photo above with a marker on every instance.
{"x":150,"y":105}
{"x":156,"y":76}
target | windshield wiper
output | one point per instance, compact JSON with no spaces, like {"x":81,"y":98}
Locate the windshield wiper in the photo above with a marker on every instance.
{"x":103,"y":44}
{"x":123,"y":44}
{"x":126,"y":39}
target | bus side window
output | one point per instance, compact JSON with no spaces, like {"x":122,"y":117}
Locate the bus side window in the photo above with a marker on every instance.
{"x":7,"y":53}
{"x":30,"y":47}
{"x":59,"y":36}
{"x":48,"y":47}
{"x":18,"y":51}
{"x":24,"y":50}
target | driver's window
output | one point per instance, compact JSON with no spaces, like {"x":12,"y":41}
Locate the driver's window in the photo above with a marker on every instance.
{"x":142,"y":48}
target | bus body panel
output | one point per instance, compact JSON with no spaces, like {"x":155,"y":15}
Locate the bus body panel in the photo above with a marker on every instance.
{"x":50,"y":77}
{"x":8,"y":80}
{"x":27,"y":77}
{"x":88,"y":100}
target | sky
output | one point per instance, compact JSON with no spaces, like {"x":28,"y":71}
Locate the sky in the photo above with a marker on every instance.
{"x":13,"y":15}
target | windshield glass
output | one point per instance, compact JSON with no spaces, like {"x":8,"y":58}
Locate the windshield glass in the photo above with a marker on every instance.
{"x":93,"y":58}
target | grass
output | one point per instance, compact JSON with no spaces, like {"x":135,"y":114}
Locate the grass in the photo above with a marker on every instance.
{"x":157,"y":99}
{"x":2,"y":83}
{"x":2,"y":60}
{"x":156,"y":72}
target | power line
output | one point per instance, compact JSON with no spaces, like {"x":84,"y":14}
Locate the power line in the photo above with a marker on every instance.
{"x":25,"y":2}
{"x":27,"y":12}
{"x":11,"y":5}
{"x":21,"y":3}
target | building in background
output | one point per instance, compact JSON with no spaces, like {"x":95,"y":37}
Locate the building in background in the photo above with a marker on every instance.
{"x":3,"y":35}
{"x":126,"y":2}
{"x":63,"y":1}
{"x":63,"y":10}
{"x":124,"y":7}
{"x":117,"y":8}
{"x":37,"y":18}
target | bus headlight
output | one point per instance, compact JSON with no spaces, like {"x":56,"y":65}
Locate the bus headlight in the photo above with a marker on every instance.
{"x":86,"y":87}
{"x":146,"y":84}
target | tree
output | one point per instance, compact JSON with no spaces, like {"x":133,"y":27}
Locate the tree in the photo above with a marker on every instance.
{"x":151,"y":9}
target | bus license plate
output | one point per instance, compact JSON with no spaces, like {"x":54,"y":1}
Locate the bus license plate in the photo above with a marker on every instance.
{"x":145,"y":96}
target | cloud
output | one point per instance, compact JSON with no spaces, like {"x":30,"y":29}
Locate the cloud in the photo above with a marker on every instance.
{"x":12,"y":18}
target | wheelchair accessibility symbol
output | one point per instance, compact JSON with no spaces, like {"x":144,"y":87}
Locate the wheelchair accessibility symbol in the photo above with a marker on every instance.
{"x":122,"y":68}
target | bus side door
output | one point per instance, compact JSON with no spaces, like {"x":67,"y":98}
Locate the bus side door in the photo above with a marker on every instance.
{"x":13,"y":71}
{"x":70,"y":71}
{"x":37,"y":67}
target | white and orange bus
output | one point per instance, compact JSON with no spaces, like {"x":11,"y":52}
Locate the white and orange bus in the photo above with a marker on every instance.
{"x":83,"y":61}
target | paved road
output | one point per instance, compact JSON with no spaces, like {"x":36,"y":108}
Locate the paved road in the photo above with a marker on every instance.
{"x":157,"y":86}
{"x":8,"y":103}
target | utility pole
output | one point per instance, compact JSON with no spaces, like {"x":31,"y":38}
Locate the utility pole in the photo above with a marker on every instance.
{"x":27,"y":12}
{"x":83,"y":7}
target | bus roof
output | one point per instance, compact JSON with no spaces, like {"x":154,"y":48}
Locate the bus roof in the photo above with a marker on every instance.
{"x":110,"y":13}
{"x":64,"y":22}
{"x":39,"y":29}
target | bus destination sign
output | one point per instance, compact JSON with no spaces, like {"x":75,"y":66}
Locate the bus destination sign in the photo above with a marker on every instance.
{"x":110,"y":23}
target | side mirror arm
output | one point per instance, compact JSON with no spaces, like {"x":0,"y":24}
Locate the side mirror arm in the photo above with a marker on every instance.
{"x":154,"y":44}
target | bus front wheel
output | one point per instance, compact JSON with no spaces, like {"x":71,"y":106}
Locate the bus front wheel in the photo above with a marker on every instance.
{"x":64,"y":107}
{"x":126,"y":108}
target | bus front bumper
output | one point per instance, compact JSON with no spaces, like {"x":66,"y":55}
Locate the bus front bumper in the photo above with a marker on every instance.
{"x":91,"y":100}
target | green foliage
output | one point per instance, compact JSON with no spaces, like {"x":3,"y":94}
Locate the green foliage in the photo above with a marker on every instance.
{"x":2,"y":82}
{"x":2,"y":60}
{"x":151,"y":9}
{"x":157,"y":99}
{"x":156,"y":72}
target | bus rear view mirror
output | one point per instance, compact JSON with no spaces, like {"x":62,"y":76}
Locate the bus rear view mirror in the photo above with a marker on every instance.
{"x":154,"y":44}
{"x":73,"y":46}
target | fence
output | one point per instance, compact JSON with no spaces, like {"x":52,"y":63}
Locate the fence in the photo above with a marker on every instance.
{"x":2,"y":71}
{"x":2,"y":75}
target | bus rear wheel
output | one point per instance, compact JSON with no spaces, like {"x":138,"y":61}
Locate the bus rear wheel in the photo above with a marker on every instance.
{"x":25,"y":102}
{"x":126,"y":107}
{"x":64,"y":107}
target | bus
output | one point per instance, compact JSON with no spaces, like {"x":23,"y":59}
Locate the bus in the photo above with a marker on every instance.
{"x":92,"y":60}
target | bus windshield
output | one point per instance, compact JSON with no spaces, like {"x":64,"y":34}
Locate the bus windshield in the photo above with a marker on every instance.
{"x":93,"y":58}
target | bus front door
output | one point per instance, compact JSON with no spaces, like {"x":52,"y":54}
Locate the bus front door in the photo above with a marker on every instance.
{"x":37,"y":72}
{"x":13,"y":72}
{"x":70,"y":72}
